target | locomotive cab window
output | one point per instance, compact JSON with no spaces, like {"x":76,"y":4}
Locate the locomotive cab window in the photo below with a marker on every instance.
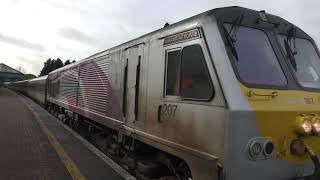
{"x":253,"y":56}
{"x":187,"y":75}
{"x":173,"y":73}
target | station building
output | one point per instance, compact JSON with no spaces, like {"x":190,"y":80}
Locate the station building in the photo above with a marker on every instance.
{"x":8,"y":74}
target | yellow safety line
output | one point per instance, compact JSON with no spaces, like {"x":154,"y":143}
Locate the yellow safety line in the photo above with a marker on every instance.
{"x":67,"y":161}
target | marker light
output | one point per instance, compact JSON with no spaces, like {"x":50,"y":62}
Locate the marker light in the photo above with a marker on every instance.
{"x":261,"y":148}
{"x":303,"y":125}
{"x":268,"y":148}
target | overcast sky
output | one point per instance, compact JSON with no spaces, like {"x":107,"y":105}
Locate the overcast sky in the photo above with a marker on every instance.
{"x":31,"y":31}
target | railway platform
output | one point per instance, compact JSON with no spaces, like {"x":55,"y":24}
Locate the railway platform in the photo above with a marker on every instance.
{"x":35,"y":145}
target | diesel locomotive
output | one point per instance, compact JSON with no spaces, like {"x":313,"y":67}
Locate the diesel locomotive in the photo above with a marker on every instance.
{"x":229,"y":94}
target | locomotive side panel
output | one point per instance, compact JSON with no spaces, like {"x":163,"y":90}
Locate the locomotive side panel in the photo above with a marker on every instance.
{"x":69,"y":86}
{"x":96,"y":94}
{"x":86,"y":88}
{"x":135,"y":85}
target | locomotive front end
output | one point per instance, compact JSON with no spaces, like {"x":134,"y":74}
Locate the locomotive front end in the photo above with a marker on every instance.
{"x":273,"y":126}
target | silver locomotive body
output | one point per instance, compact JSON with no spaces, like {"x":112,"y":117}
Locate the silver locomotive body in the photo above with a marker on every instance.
{"x":177,"y":90}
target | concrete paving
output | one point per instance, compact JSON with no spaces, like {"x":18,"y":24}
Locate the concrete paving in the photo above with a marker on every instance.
{"x":26,"y":151}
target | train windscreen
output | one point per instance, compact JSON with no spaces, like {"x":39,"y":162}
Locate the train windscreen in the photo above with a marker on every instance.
{"x":254,"y":58}
{"x":304,"y":60}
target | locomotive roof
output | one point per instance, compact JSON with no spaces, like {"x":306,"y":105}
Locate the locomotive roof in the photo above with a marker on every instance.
{"x":251,"y":18}
{"x":225,"y":14}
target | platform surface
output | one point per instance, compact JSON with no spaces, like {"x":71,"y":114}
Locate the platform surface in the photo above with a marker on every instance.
{"x":28,"y":151}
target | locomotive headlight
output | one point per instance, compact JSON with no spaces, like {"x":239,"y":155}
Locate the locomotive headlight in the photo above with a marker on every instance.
{"x":316,"y":126}
{"x":303,"y":125}
{"x":307,"y":126}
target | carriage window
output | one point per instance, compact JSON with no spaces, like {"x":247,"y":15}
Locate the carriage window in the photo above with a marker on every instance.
{"x":173,"y":73}
{"x":187,"y":74}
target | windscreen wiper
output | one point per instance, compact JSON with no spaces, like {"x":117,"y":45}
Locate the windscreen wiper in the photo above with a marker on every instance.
{"x":291,"y":38}
{"x":232,"y":35}
{"x":291,"y":34}
{"x":290,"y":54}
{"x":231,"y":42}
{"x":235,"y":27}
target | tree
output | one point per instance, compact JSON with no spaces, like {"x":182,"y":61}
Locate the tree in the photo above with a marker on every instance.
{"x":46,"y":67}
{"x":53,"y":64}
{"x":67,"y":62}
{"x":57,"y":64}
{"x":29,"y":76}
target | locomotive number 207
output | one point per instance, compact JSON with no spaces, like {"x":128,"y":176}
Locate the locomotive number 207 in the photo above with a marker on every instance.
{"x":169,"y":109}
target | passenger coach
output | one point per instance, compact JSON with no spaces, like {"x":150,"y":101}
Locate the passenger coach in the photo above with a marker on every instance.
{"x":229,"y":94}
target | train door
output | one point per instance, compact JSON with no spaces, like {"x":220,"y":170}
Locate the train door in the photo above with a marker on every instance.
{"x":134,"y":87}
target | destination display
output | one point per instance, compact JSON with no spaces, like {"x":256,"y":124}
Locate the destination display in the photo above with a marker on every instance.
{"x":185,"y":36}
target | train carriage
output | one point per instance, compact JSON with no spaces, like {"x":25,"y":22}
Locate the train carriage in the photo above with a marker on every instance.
{"x":37,"y":89}
{"x":229,"y":94}
{"x":19,"y":86}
